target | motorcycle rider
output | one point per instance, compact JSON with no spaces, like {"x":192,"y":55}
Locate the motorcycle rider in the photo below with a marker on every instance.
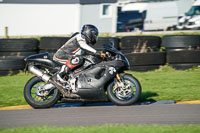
{"x":70,"y":54}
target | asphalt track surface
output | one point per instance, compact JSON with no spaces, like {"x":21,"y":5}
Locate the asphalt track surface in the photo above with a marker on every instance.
{"x":100,"y":115}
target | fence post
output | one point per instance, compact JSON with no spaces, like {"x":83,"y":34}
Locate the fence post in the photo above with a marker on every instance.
{"x":6,"y":32}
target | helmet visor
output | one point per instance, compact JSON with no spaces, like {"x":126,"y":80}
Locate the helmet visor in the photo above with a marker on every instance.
{"x":96,"y":37}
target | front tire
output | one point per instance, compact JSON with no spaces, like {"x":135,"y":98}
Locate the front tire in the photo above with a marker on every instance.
{"x":126,"y":95}
{"x":36,"y":101}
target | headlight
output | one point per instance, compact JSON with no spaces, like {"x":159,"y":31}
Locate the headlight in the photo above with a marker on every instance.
{"x":197,"y":22}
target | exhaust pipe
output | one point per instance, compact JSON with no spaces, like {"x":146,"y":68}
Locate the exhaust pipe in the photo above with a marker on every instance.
{"x":39,"y":73}
{"x":46,"y":78}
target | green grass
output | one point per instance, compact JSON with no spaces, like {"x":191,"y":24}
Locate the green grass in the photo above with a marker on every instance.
{"x":11,"y":89}
{"x":109,"y":129}
{"x":169,"y":84}
{"x":162,"y":84}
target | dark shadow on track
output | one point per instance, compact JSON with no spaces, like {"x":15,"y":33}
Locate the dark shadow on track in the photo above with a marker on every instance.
{"x":147,"y":96}
{"x":145,"y":100}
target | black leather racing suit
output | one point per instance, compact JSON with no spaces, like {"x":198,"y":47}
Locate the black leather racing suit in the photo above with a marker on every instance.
{"x":70,"y":53}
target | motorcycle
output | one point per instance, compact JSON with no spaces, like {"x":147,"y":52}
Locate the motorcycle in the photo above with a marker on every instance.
{"x":98,"y":79}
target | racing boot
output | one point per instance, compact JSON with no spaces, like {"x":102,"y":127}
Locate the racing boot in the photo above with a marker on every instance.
{"x":60,"y":74}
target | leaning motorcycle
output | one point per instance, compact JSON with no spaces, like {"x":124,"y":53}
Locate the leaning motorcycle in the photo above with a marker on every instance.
{"x":99,"y":79}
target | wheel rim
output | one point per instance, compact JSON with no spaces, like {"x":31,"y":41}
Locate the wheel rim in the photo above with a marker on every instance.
{"x":39,"y":98}
{"x":125,"y":93}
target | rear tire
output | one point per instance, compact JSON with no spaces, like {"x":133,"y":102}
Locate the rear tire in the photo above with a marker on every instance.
{"x":132,"y":92}
{"x":32,"y":100}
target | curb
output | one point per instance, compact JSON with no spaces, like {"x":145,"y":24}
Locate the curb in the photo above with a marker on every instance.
{"x":16,"y":107}
{"x":189,"y":102}
{"x":98,"y":104}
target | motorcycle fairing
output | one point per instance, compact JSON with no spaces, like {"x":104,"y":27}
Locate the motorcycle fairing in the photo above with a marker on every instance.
{"x":121,"y":56}
{"x":92,"y":81}
{"x":99,"y":74}
{"x":41,"y":58}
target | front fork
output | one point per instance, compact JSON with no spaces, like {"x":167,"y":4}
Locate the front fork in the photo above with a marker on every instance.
{"x":119,"y":83}
{"x":123,"y":88}
{"x":118,"y":77}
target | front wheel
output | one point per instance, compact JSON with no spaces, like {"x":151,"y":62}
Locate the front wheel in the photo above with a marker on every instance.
{"x":124,"y":92}
{"x":39,"y":94}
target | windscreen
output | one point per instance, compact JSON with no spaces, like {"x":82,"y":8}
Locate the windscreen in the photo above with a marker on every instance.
{"x":195,"y":10}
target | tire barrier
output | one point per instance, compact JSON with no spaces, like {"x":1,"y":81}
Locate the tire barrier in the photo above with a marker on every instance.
{"x":146,"y":61}
{"x":9,"y":72}
{"x":183,"y":59}
{"x":142,"y":51}
{"x":51,"y":44}
{"x":180,"y":42}
{"x":11,"y":64}
{"x":18,"y":45}
{"x":13,"y":52}
{"x":135,"y":44}
{"x":17,"y":53}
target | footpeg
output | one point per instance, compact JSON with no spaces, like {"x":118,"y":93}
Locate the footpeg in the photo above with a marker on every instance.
{"x":66,"y":93}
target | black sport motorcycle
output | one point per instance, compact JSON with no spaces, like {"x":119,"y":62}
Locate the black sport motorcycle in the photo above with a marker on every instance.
{"x":97,"y":80}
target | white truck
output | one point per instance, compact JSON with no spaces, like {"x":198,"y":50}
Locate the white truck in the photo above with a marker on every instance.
{"x":191,"y":20}
{"x":160,"y":15}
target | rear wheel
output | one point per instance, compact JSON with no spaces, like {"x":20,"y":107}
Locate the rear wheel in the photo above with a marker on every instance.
{"x":37,"y":96}
{"x":125,"y":92}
